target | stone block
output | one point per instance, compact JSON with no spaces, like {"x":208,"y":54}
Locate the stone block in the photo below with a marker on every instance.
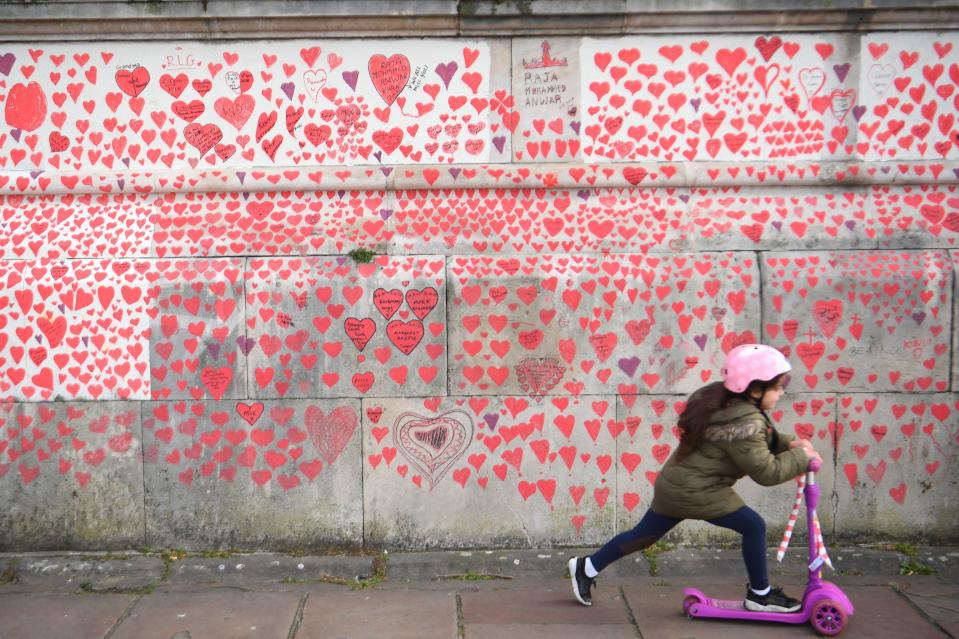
{"x":198,"y":346}
{"x":71,"y":476}
{"x":913,"y":216}
{"x":75,"y":226}
{"x":253,"y":475}
{"x":510,"y":221}
{"x":83,"y":329}
{"x":216,"y":224}
{"x":906,"y":66}
{"x":777,"y":219}
{"x":860,"y":320}
{"x":896,"y":468}
{"x":332,"y":327}
{"x":15,"y":363}
{"x":546,"y":88}
{"x":571,"y":324}
{"x":488,"y":471}
{"x":86,"y":573}
{"x":725,"y":98}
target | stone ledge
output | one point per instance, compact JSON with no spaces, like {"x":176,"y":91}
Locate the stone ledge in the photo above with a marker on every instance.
{"x":219,"y":19}
{"x":839,"y":173}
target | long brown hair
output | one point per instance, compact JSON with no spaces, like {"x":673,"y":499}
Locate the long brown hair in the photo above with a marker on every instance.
{"x":703,"y":403}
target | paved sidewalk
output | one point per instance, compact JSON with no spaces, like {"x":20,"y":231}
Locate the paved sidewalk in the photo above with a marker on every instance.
{"x":482,"y":594}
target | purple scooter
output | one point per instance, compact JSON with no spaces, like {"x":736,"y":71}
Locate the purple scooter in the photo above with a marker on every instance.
{"x":825,"y":606}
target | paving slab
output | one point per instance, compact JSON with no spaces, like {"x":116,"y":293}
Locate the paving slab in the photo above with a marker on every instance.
{"x":224,"y":614}
{"x":880,"y":613}
{"x":31,"y":616}
{"x":938,"y":601}
{"x":547,"y":631}
{"x":538,"y":602}
{"x":372,"y":614}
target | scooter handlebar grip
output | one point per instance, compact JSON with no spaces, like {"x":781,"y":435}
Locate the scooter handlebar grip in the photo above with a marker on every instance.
{"x":814,"y":465}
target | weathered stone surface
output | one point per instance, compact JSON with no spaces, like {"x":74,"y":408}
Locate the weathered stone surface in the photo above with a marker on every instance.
{"x":73,"y":476}
{"x":269,"y":223}
{"x":336,"y":328}
{"x":955,"y":314}
{"x":575,"y":324}
{"x":509,"y":221}
{"x":860,"y":320}
{"x":546,"y":603}
{"x":576,"y":188}
{"x":493,"y":471}
{"x":76,"y":572}
{"x":257,"y":475}
{"x":896,"y":466}
{"x":198,"y":343}
{"x":777,"y":219}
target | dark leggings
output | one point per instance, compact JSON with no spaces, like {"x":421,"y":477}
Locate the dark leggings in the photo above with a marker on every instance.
{"x":647,"y":532}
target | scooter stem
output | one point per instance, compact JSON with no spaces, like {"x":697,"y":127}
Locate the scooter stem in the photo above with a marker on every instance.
{"x":812,"y":501}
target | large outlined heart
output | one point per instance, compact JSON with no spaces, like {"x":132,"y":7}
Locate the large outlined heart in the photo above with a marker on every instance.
{"x":433,"y":444}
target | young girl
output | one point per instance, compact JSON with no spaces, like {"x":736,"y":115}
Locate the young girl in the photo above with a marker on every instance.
{"x":725,"y":434}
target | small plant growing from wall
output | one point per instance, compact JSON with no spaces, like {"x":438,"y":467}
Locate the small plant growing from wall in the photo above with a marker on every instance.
{"x":362,"y":255}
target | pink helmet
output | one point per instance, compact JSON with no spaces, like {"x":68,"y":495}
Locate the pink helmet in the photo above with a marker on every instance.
{"x":752,"y":362}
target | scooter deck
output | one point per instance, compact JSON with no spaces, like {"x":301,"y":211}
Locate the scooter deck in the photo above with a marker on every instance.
{"x":711,"y":608}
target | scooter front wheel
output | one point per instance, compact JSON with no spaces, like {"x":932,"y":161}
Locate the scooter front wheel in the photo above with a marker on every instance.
{"x":828,"y":617}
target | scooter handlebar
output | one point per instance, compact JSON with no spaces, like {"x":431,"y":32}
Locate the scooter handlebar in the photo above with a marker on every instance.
{"x":814,"y":465}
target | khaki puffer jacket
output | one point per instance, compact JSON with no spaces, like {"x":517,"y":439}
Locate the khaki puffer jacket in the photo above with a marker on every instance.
{"x":740,"y":440}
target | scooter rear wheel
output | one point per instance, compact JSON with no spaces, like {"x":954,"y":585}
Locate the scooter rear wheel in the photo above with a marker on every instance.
{"x":828,"y":617}
{"x":688,"y":603}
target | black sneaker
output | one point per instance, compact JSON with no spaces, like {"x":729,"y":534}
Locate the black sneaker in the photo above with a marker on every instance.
{"x":581,"y":583}
{"x":773,"y":601}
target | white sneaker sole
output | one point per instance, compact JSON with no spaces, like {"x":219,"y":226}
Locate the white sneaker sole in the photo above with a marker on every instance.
{"x":571,"y":566}
{"x":755,"y":607}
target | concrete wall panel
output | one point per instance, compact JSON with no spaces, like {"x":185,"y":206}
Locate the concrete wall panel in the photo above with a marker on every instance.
{"x":337,"y":328}
{"x":510,"y":221}
{"x":216,"y":224}
{"x":198,"y":344}
{"x":499,"y":471}
{"x":871,"y":320}
{"x":896,"y":471}
{"x":558,"y":324}
{"x":71,"y":476}
{"x":252,"y":474}
{"x":736,"y":97}
{"x":75,"y":226}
